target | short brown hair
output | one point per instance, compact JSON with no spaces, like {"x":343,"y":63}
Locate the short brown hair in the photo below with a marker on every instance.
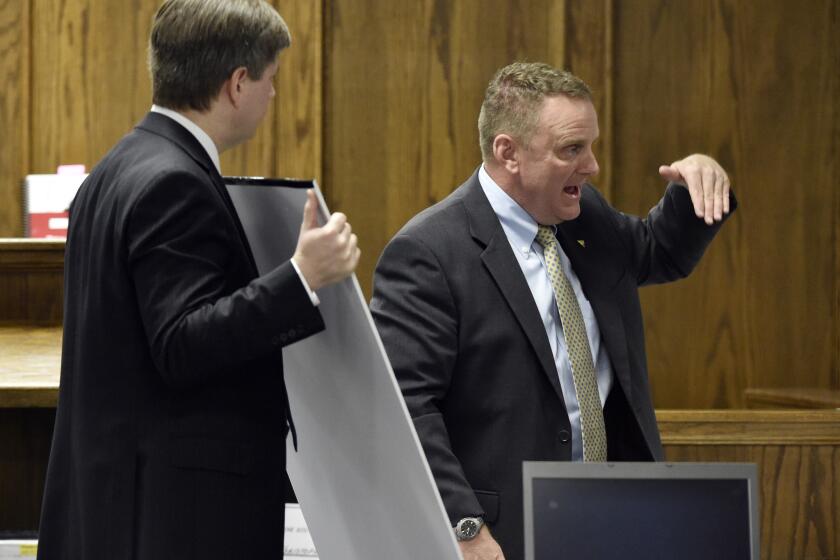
{"x":514,"y":95}
{"x":195,"y":46}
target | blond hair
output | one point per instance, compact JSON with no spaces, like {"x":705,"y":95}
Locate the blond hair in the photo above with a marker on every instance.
{"x":513,"y":99}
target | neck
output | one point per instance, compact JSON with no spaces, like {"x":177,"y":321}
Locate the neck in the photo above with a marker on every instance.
{"x":509,"y":183}
{"x":213,"y":124}
{"x":502,"y":178}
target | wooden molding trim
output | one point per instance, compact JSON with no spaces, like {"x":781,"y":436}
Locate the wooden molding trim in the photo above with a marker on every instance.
{"x":21,"y":254}
{"x":749,"y":427}
{"x":793,"y":397}
{"x":28,"y":397}
{"x":29,"y":366}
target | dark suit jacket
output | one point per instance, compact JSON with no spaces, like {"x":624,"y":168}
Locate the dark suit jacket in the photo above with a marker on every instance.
{"x":471,"y":355}
{"x":172,"y":417}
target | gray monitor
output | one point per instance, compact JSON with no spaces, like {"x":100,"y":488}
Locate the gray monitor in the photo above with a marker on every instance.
{"x":605,"y":511}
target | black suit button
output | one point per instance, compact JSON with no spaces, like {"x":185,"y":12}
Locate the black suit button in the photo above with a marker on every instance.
{"x":292,"y":333}
{"x":275,"y":340}
{"x":564,"y":436}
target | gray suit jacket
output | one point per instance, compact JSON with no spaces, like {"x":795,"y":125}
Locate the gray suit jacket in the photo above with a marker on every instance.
{"x":472,"y":357}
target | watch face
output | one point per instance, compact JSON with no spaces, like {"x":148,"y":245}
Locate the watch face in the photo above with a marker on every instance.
{"x":469,"y":528}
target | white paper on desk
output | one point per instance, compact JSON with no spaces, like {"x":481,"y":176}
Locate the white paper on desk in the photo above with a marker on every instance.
{"x":360,"y":474}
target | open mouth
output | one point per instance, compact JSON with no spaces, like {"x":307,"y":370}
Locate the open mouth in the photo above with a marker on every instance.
{"x":572,"y":190}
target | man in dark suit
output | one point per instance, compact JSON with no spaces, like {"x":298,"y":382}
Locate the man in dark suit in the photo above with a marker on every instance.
{"x":510,"y":310}
{"x":173,"y":415}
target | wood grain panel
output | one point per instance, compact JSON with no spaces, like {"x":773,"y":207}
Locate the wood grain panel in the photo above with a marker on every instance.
{"x":756,"y":86}
{"x":749,"y":427}
{"x":14,"y":111}
{"x":30,"y":366}
{"x":31,"y":281}
{"x":798,"y":459}
{"x":833,"y":56}
{"x":792,"y":397}
{"x":404,"y":84}
{"x":90,"y":84}
{"x":299,"y":102}
{"x":26,"y":434}
{"x":589,"y":54}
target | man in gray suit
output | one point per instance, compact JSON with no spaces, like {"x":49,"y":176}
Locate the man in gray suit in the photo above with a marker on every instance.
{"x":510,"y":310}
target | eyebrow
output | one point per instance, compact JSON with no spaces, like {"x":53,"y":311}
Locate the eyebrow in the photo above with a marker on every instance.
{"x":572,"y":141}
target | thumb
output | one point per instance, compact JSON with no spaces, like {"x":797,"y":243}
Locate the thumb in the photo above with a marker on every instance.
{"x":669,"y":173}
{"x":310,"y":212}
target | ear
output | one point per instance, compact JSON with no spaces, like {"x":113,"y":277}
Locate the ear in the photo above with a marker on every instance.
{"x":505,"y":152}
{"x":235,"y":85}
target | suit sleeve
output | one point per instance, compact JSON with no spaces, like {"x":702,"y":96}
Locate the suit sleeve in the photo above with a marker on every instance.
{"x":180,"y":250}
{"x":670,"y":241}
{"x":415,"y":314}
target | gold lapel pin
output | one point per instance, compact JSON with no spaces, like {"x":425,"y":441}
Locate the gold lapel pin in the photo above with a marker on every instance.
{"x":582,"y":243}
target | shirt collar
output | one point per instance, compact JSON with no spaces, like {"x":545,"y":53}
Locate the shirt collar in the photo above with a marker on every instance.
{"x":202,"y":137}
{"x":520,"y":228}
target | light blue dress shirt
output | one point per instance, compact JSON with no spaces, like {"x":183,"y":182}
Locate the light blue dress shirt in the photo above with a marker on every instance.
{"x":521,"y":231}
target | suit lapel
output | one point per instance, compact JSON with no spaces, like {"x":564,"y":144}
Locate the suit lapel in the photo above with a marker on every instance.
{"x":503,"y":267}
{"x":162,"y":125}
{"x":603,"y":300}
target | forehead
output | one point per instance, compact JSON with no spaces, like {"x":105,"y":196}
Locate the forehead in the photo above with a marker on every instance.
{"x":562,"y":116}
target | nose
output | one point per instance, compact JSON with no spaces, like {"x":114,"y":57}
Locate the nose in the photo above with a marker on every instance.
{"x":590,"y":165}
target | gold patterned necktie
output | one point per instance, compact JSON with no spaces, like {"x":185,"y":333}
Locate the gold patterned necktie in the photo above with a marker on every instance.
{"x":583,"y":370}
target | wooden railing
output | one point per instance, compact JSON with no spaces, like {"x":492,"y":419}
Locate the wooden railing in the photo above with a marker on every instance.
{"x":31,"y":281}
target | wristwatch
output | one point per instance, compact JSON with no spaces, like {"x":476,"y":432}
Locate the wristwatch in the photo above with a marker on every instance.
{"x":468,"y":528}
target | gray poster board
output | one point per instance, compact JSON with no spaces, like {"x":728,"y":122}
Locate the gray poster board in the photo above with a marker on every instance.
{"x":359,"y":473}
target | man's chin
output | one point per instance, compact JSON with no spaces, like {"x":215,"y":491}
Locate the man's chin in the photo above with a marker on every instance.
{"x":567,"y":214}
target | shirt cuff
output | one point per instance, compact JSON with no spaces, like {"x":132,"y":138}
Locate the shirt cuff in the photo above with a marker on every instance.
{"x":313,"y":297}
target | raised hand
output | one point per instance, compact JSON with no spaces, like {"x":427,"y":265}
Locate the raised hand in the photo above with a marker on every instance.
{"x":325,"y":254}
{"x":707,"y":183}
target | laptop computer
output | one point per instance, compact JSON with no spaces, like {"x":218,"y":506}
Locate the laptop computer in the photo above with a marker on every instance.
{"x":647,"y":511}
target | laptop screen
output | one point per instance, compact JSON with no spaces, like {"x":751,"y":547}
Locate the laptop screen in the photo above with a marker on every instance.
{"x":640,"y":510}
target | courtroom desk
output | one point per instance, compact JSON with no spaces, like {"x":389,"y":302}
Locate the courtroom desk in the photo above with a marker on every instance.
{"x":29,"y":371}
{"x":798,"y":458}
{"x":792,"y":397}
{"x":31,"y":281}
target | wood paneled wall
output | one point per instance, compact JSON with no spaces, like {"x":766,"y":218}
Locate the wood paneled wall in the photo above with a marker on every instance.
{"x":404,"y":84}
{"x":75,"y":80}
{"x":15,"y":111}
{"x":379,"y":100}
{"x":757,"y":85}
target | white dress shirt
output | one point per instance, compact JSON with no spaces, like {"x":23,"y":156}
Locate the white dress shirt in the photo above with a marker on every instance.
{"x":521,"y":231}
{"x":212,"y":151}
